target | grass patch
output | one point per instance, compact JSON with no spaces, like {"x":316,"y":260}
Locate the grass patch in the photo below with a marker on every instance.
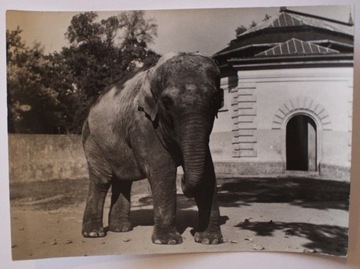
{"x":49,"y":195}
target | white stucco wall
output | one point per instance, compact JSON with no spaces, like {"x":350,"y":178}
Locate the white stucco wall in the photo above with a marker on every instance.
{"x":327,"y":87}
{"x":221,"y":137}
{"x":324,"y":94}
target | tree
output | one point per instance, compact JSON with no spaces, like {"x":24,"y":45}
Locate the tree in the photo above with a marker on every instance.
{"x":241,"y":29}
{"x":100,"y":52}
{"x":52,"y":93}
{"x":32,"y":106}
{"x":267,"y":16}
{"x":253,"y":24}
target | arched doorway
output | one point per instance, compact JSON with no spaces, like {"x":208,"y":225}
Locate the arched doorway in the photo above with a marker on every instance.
{"x":301,"y":146}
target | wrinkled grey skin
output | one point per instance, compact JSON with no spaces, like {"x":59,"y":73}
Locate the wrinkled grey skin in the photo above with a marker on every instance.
{"x":145,"y":128}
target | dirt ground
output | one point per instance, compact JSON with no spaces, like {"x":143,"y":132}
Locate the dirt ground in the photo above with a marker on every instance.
{"x":291,"y":214}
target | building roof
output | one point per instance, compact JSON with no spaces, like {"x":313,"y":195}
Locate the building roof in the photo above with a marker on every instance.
{"x":296,"y":47}
{"x":287,"y":35}
{"x":289,"y":18}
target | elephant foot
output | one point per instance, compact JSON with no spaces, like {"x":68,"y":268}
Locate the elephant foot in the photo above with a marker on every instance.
{"x":166,"y":236}
{"x":209,"y":238}
{"x":93,"y":232}
{"x":120,"y":227}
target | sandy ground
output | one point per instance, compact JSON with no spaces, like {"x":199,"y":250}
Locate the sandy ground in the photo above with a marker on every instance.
{"x":292,"y":214}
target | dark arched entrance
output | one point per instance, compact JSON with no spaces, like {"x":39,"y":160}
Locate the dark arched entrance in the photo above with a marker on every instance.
{"x":301,"y":144}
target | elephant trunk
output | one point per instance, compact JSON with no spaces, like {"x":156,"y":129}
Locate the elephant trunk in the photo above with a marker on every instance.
{"x":194,"y":140}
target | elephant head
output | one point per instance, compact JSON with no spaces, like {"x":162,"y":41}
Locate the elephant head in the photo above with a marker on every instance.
{"x":181,"y":95}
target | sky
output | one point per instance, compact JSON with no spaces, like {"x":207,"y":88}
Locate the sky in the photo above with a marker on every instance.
{"x":204,"y":30}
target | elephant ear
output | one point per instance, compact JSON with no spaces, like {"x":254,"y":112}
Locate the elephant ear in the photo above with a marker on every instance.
{"x":221,"y":98}
{"x":147,"y":102}
{"x":218,"y":101}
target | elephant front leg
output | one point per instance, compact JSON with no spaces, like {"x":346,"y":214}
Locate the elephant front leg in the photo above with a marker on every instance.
{"x":93,"y":215}
{"x":119,"y":216}
{"x":209,"y":231}
{"x":164,"y":195}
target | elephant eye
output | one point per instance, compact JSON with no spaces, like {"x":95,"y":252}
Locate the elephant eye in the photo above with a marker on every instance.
{"x":167,"y":102}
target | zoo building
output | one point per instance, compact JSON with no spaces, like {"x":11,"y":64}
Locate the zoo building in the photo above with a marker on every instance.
{"x":288,"y":86}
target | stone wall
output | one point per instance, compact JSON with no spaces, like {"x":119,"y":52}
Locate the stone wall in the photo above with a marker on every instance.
{"x":45,"y":157}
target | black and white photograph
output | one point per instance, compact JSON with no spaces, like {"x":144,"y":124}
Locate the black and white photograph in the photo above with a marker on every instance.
{"x":180,"y":130}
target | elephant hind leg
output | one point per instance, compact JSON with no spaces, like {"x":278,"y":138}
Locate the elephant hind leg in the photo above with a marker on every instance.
{"x":119,"y":216}
{"x":100,"y":176}
{"x":93,"y":215}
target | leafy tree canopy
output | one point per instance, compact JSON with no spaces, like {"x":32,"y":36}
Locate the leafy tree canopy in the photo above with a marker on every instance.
{"x":242,"y":29}
{"x":32,"y":106}
{"x":100,"y":52}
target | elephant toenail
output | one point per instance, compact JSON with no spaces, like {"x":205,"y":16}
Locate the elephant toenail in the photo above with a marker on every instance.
{"x":206,"y":241}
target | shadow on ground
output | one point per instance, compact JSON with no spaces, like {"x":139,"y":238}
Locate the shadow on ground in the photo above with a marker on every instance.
{"x":232,"y":192}
{"x":326,"y":239}
{"x":317,"y":194}
{"x":299,"y":191}
{"x":186,"y":218}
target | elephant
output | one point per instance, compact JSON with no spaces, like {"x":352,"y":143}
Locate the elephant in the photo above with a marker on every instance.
{"x":145,"y":127}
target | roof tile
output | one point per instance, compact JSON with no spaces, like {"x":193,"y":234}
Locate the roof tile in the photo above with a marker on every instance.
{"x":296,"y":47}
{"x":289,"y":18}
